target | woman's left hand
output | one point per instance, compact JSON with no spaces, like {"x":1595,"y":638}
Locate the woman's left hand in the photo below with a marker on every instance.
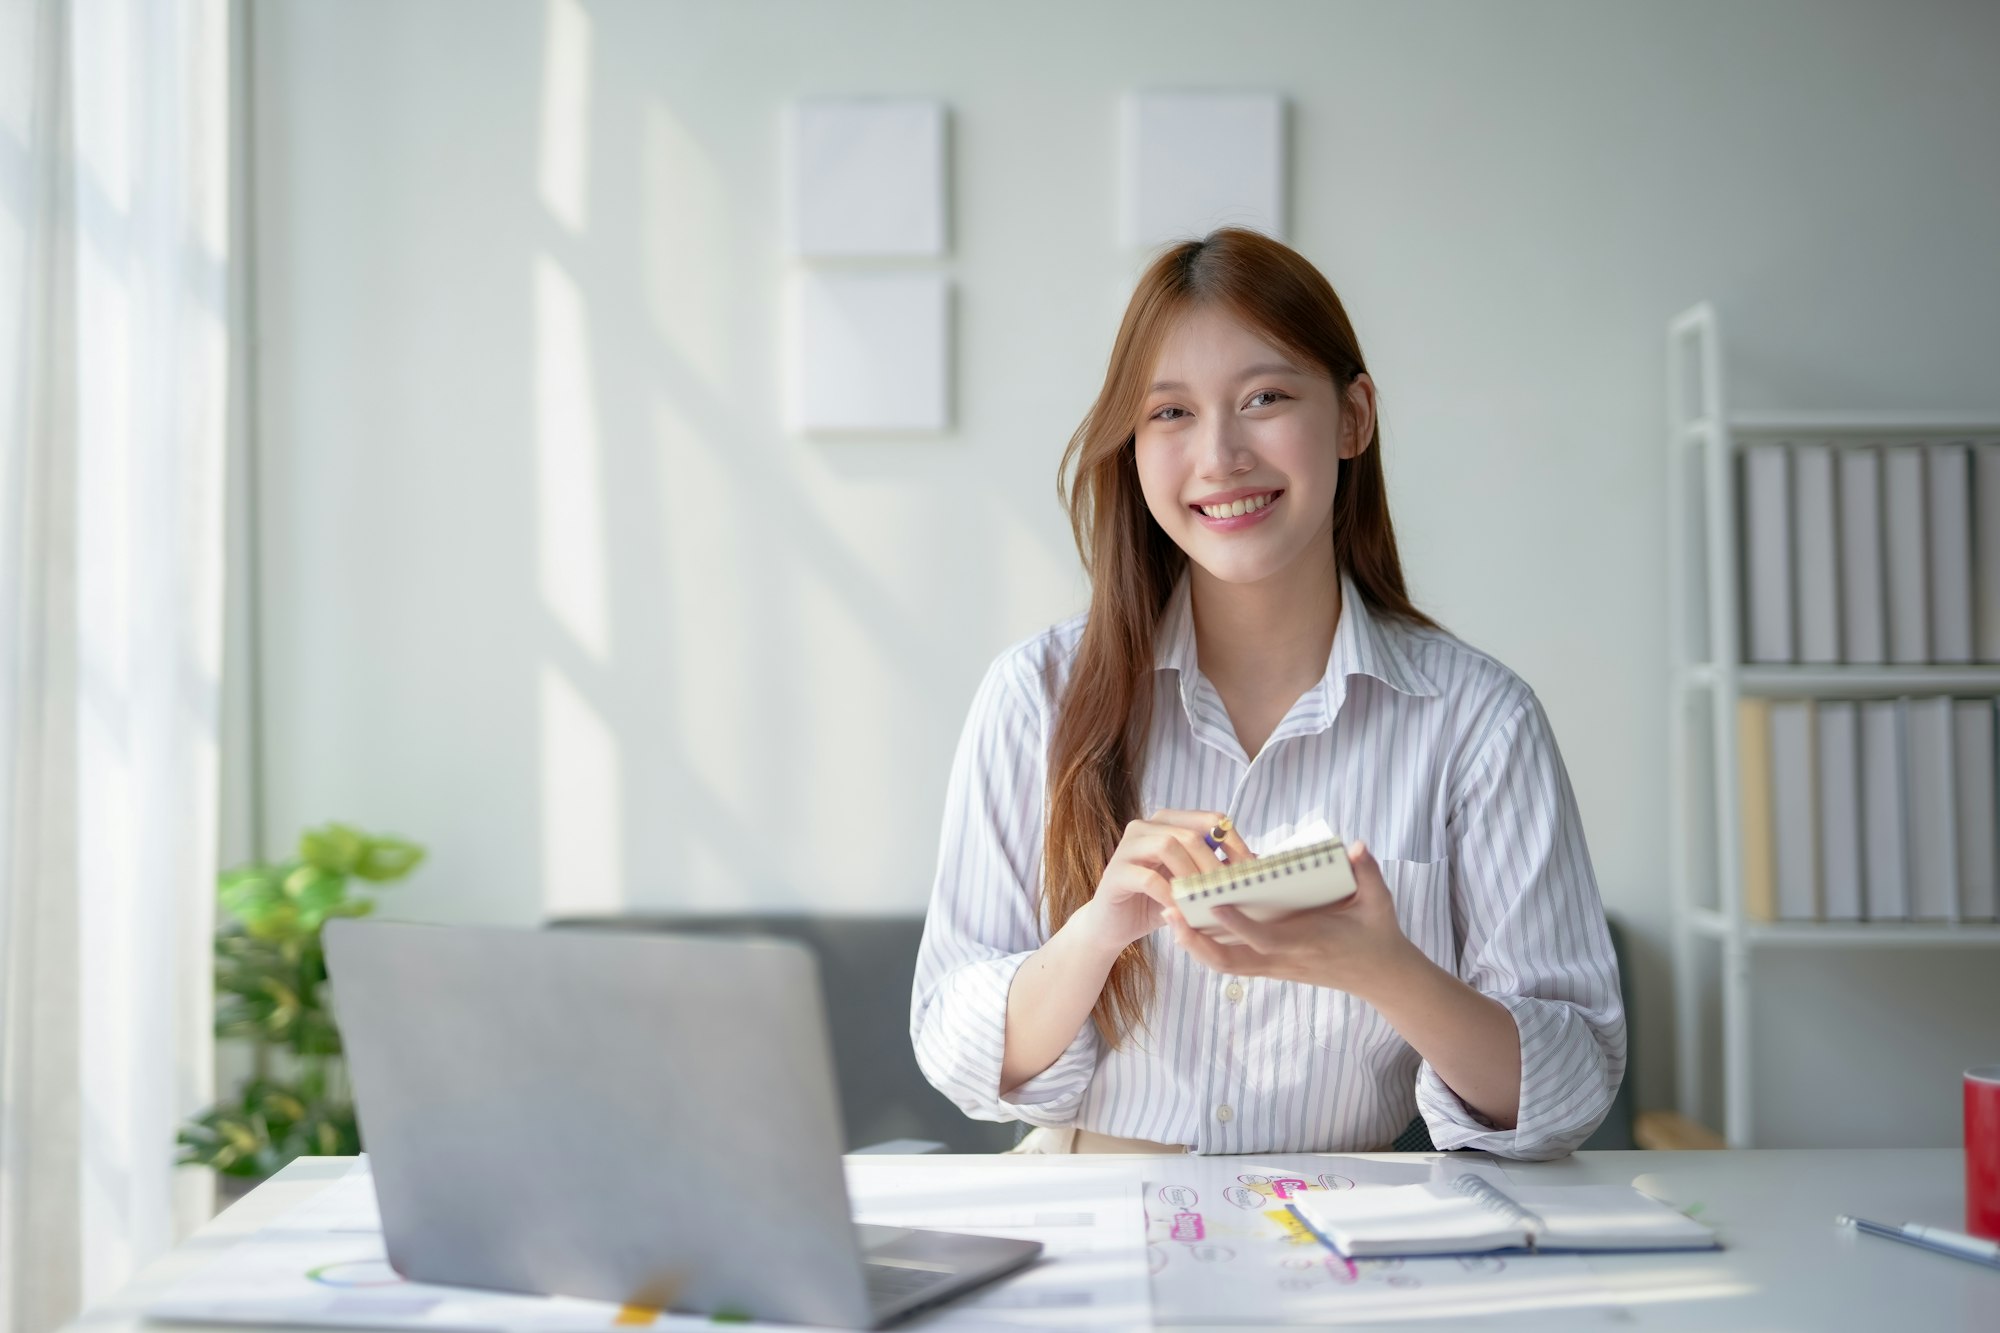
{"x":1355,"y":945}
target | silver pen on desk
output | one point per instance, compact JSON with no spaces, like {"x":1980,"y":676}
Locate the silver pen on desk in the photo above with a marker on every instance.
{"x":1940,"y":1239}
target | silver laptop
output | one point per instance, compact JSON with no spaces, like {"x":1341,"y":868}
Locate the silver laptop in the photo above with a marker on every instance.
{"x":643,"y":1118}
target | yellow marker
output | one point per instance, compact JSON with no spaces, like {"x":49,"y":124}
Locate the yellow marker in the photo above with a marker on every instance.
{"x":636,"y":1314}
{"x":1296,"y":1232}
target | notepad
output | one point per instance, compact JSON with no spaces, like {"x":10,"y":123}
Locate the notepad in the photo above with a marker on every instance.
{"x":1268,"y":887}
{"x":1470,"y":1214}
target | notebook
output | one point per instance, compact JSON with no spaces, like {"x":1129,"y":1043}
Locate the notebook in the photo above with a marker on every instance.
{"x":1470,"y":1214}
{"x":1268,"y":887}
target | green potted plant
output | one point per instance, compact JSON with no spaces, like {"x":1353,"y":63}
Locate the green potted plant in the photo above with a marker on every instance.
{"x":270,"y":992}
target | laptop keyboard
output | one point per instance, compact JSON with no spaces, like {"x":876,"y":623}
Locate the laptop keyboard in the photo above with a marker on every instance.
{"x":895,"y":1282}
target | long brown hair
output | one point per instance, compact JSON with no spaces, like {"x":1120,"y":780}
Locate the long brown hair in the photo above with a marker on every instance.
{"x":1098,"y":749}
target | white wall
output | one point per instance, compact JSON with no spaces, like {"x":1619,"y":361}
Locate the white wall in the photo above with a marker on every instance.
{"x":547,"y":587}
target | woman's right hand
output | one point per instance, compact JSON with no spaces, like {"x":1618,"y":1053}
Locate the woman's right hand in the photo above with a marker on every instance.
{"x":1153,"y":852}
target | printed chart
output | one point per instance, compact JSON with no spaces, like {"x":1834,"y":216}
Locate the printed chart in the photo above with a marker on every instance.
{"x":1222,"y":1248}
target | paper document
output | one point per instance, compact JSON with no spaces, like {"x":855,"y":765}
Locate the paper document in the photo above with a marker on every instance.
{"x":1090,"y":1220}
{"x":322,"y":1263}
{"x":1224,"y":1248}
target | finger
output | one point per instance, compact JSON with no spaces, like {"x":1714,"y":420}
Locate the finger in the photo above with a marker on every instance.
{"x":1168,"y":848}
{"x":1203,"y":824}
{"x":1262,"y":937}
{"x":1215,"y":955}
{"x":1144,"y":881}
{"x":1368,"y":882}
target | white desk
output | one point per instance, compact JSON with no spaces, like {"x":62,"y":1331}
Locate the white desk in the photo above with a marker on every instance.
{"x":1786,"y":1266}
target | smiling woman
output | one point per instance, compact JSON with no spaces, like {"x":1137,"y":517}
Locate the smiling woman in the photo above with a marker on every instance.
{"x":1250,"y":655}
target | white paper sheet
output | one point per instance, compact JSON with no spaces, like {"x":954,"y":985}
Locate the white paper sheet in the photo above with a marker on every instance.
{"x":1091,"y":1222}
{"x":1223,"y":1248}
{"x":322,"y":1262}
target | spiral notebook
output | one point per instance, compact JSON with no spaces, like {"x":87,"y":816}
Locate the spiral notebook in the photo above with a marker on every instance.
{"x":1470,"y":1214}
{"x":1267,"y":887}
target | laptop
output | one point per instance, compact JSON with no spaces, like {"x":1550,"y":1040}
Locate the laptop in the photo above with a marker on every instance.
{"x":649,"y":1119}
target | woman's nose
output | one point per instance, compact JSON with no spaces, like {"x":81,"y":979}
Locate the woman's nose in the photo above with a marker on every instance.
{"x":1224,"y":449}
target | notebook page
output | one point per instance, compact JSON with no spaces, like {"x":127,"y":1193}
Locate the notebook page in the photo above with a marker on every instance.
{"x":1431,"y":1218}
{"x":1608,"y":1217}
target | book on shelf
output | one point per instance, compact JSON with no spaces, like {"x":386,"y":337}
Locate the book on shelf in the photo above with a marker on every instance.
{"x":1869,"y":810}
{"x":1840,"y":825}
{"x":1870,"y":554}
{"x":1864,"y":630}
{"x":1794,"y":794}
{"x":1948,"y":482}
{"x":1885,"y":878}
{"x":1931,"y":805}
{"x":1906,"y":555}
{"x":1973,"y":784}
{"x":1767,"y":554}
{"x":1817,"y":556}
{"x":1986,"y":550}
{"x":1753,"y":755}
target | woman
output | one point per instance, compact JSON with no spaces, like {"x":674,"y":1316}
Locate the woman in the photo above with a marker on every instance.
{"x":1250,"y":650}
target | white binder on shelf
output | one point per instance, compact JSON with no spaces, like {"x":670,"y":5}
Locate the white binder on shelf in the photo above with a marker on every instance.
{"x":1986,"y":551}
{"x":1933,"y":804}
{"x":1972,"y":772}
{"x":1864,"y":632}
{"x":1885,"y":880}
{"x":1906,"y":555}
{"x":1816,"y":553}
{"x":1948,"y":474}
{"x":1794,"y":802}
{"x":1840,"y":863}
{"x":1767,"y":548}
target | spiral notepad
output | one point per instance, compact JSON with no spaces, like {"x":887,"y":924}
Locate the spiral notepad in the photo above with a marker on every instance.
{"x":1269,"y":886}
{"x":1470,"y":1214}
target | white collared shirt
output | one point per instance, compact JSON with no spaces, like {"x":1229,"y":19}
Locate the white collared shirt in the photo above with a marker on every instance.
{"x":1432,"y":753}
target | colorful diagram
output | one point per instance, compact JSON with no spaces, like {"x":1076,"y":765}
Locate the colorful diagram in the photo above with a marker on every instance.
{"x":356,"y":1273}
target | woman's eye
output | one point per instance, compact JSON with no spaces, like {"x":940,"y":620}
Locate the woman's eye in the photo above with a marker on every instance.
{"x":1161,"y":415}
{"x":1262,"y":393}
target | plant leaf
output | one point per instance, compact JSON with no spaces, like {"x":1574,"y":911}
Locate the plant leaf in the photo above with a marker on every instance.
{"x":388,"y":858}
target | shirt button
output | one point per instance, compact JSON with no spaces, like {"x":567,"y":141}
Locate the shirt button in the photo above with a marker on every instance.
{"x":1223,"y":1113}
{"x":1234,"y":991}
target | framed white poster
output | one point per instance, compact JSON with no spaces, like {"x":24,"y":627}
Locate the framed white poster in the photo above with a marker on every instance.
{"x":1191,"y":162}
{"x":864,"y":176}
{"x":868,"y":351}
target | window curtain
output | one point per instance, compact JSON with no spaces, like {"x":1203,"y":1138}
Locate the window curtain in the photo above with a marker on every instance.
{"x":114,"y":372}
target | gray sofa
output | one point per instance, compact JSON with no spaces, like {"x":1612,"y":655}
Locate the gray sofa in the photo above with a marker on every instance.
{"x":867,"y":965}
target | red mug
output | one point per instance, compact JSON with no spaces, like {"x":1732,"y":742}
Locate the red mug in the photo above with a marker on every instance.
{"x":1982,"y":1152}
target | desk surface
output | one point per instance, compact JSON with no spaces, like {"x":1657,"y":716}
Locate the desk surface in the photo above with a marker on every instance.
{"x":1787,"y":1266}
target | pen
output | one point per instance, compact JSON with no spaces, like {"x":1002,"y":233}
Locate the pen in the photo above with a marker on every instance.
{"x":1940,"y":1239}
{"x":1215,"y":836}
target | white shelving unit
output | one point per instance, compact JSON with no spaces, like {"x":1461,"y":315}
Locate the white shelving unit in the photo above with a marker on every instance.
{"x":1708,"y":678}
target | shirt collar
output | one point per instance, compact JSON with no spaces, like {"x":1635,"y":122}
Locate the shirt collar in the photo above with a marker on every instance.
{"x":1363,"y":645}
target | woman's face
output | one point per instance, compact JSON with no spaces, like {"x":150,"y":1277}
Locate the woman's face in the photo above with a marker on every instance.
{"x":1238,"y":447}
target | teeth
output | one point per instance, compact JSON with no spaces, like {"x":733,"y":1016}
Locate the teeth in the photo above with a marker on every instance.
{"x":1245,"y":506}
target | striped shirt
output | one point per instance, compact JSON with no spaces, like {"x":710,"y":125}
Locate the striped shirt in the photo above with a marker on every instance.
{"x":1435,"y":755}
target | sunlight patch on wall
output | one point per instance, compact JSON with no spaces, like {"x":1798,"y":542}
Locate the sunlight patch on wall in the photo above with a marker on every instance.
{"x":581,"y":803}
{"x":569,"y":492}
{"x":714,"y":614}
{"x":851,"y":702}
{"x":563,"y":173}
{"x":686,"y":239}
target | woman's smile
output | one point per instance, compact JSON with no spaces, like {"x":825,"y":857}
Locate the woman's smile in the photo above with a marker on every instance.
{"x":1237,"y":512}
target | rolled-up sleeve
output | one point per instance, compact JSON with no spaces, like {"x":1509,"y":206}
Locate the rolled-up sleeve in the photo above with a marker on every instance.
{"x":984,"y":918}
{"x":1533,"y":937}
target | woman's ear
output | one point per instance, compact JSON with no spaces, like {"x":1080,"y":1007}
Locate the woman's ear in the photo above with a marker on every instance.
{"x":1357,"y":416}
